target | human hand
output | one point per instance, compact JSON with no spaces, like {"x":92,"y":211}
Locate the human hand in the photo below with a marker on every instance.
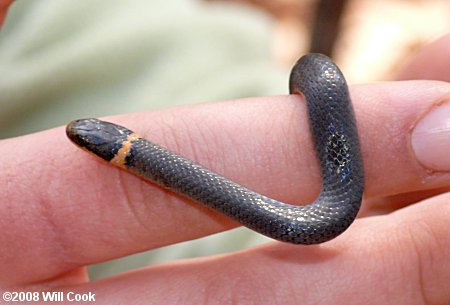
{"x":62,"y":209}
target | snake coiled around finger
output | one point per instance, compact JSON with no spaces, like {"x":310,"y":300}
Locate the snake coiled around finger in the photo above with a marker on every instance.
{"x":333,"y":128}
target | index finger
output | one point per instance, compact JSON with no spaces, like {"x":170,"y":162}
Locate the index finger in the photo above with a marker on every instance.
{"x":62,"y":208}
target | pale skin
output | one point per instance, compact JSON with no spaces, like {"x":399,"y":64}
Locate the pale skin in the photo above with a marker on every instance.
{"x":61,"y":209}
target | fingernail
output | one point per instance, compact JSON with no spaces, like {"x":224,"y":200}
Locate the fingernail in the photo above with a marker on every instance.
{"x":430,"y":139}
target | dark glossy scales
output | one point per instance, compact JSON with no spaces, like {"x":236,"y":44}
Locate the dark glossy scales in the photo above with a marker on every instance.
{"x":333,"y":130}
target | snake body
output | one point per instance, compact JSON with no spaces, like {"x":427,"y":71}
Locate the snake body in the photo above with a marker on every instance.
{"x":332,"y":124}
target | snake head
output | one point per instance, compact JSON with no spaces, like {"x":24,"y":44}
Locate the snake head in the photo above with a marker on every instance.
{"x":101,"y":138}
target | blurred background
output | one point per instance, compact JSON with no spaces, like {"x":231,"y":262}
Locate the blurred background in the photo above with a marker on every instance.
{"x":63,"y":59}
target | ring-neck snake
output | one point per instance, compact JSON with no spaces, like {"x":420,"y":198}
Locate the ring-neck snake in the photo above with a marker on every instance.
{"x":333,"y":128}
